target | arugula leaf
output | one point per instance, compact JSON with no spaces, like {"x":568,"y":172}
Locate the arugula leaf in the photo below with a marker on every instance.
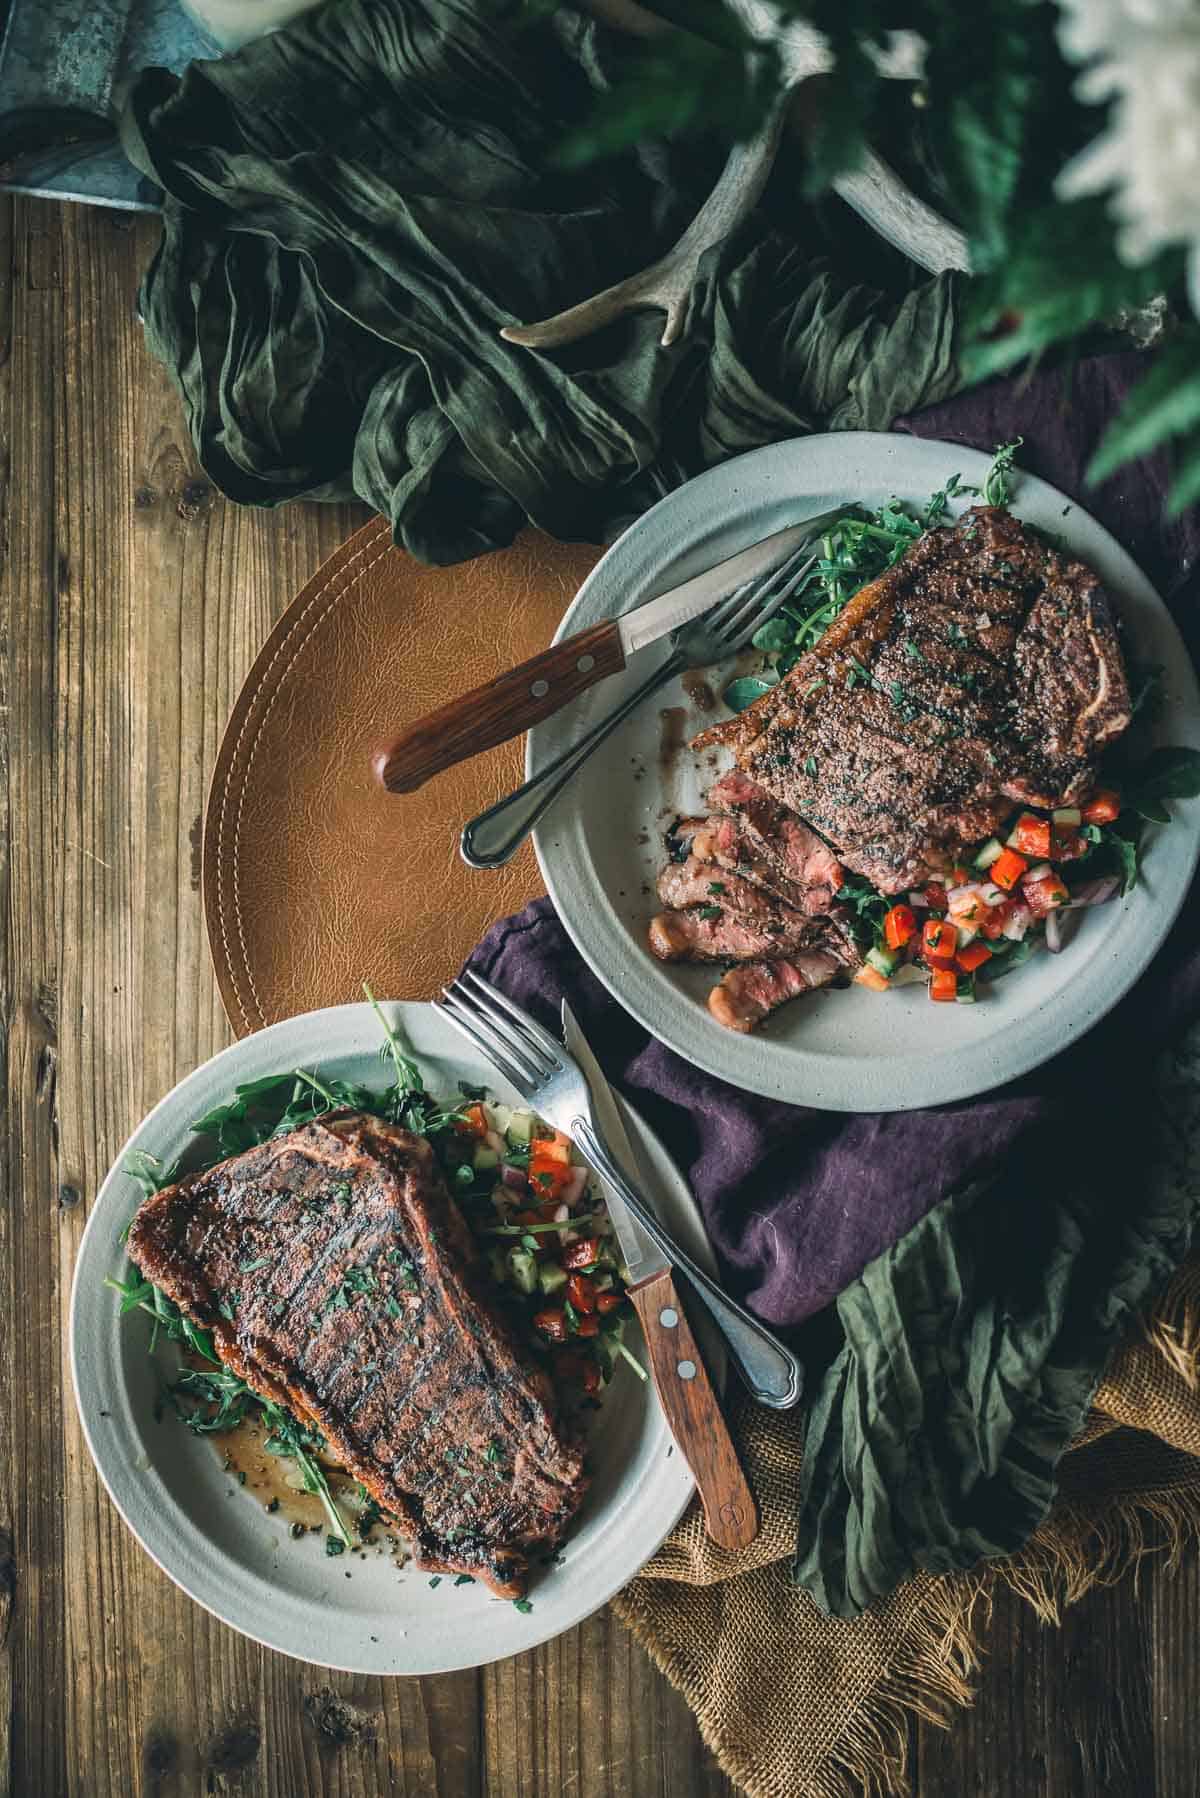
{"x":743,"y":692}
{"x":1170,"y":773}
{"x":1127,"y":849}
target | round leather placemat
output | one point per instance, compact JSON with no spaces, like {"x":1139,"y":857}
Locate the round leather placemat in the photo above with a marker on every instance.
{"x":315,"y":878}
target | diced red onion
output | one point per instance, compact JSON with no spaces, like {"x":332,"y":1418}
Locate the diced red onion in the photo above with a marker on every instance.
{"x":991,"y":894}
{"x":1092,"y":892}
{"x":513,"y":1177}
{"x":918,"y":901}
{"x":575,"y":1183}
{"x":1017,"y":922}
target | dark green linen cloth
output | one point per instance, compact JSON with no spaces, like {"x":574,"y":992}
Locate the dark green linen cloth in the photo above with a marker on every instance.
{"x":355,"y":206}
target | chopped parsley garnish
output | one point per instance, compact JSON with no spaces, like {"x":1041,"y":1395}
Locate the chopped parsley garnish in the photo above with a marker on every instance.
{"x":710,"y":913}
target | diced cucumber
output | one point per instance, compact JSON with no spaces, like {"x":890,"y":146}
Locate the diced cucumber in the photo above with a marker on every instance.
{"x":486,"y":1160}
{"x":501,"y":1117}
{"x":883,"y":961}
{"x":520,"y":1129}
{"x":550,"y":1276}
{"x":523,"y":1270}
{"x":966,"y":989}
{"x":1068,"y":814}
{"x":992,"y":850}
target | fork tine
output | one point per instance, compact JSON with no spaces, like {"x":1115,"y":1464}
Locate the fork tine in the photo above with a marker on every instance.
{"x":519,"y":1048}
{"x":763,"y":605}
{"x":487,"y":1048}
{"x":531,"y":1028}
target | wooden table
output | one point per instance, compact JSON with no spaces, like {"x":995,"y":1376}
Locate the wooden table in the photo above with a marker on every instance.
{"x":134,"y":600}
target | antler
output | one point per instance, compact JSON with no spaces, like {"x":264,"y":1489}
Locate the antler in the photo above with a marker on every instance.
{"x":874,"y":190}
{"x":669,"y":281}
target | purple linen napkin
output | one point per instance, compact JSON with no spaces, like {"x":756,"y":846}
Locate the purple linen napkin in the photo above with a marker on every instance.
{"x":799,"y":1201}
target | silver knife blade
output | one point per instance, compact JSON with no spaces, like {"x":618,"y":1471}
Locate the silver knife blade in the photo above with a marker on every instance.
{"x":647,"y":623}
{"x":640,"y":1255}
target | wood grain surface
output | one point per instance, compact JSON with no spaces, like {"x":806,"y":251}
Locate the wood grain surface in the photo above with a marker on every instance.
{"x":133,"y":602}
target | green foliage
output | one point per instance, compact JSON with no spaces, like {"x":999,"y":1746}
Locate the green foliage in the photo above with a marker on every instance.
{"x":999,"y":119}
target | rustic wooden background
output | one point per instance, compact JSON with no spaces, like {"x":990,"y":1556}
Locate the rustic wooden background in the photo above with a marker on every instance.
{"x":133,"y":601}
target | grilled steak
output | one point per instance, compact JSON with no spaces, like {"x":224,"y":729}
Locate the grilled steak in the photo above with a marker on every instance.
{"x":746,"y":994}
{"x":731,"y":936}
{"x":757,"y":826}
{"x":697,"y":882}
{"x":337,"y":1277}
{"x":983,"y":668}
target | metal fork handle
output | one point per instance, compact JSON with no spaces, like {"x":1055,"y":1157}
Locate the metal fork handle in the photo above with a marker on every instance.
{"x":772,"y":1373}
{"x":494,"y":837}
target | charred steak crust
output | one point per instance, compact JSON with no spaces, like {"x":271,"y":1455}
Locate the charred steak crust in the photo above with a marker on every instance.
{"x":983,"y":668}
{"x":358,"y":1301}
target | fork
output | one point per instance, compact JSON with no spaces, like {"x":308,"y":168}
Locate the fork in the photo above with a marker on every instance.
{"x":494,"y":836}
{"x":553,"y":1085}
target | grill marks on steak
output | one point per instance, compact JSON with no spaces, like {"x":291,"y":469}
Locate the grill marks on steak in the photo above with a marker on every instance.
{"x":357,"y":1301}
{"x":982,"y":669}
{"x":780,"y":847}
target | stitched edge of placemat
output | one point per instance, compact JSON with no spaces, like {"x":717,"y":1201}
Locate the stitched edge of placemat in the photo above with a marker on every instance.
{"x":256,"y":701}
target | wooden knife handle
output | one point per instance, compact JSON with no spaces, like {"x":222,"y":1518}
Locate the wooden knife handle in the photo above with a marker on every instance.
{"x":500,"y":709}
{"x":694,"y":1412}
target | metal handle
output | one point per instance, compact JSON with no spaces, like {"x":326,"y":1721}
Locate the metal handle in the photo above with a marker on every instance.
{"x":494,"y":837}
{"x":773,"y":1374}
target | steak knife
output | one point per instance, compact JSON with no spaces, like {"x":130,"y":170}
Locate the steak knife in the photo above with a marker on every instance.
{"x":677,"y":1367}
{"x":504,"y":707}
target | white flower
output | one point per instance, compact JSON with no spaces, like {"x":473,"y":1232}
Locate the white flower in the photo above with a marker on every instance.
{"x":1142,"y":56}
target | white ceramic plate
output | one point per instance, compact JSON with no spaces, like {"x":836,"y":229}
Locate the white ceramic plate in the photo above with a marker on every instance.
{"x":600,"y":847}
{"x":218,"y":1543}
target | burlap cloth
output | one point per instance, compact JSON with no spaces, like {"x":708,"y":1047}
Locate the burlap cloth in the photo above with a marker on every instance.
{"x":795,"y":1704}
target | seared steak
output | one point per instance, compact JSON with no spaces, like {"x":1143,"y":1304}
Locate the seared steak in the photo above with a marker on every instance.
{"x":729,"y":936}
{"x":697,"y":882}
{"x":983,"y":668}
{"x":746,"y":994}
{"x":337,"y":1277}
{"x":757,"y":826}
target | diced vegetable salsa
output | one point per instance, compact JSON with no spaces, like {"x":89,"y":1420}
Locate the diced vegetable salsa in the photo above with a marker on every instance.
{"x":550,"y":1246}
{"x":998,"y":904}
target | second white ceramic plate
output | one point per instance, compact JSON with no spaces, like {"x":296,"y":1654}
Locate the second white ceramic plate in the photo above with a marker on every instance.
{"x":600,"y":847}
{"x":219,"y":1543}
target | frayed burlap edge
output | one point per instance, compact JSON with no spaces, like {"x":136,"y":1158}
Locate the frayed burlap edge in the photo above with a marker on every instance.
{"x":1079,"y":1547}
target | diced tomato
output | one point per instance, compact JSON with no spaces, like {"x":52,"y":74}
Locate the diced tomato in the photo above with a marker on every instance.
{"x":1044,"y":896}
{"x":1007,"y":869}
{"x":943,"y":985}
{"x":1104,"y":807}
{"x":960,"y":877}
{"x":474,"y":1121}
{"x":551,"y":1148}
{"x":935,"y":893}
{"x":993,"y":920}
{"x":587,"y":1324}
{"x":899,"y":925}
{"x":552,"y":1323}
{"x":582,"y":1292}
{"x":547,"y":1174}
{"x":609,"y":1301}
{"x":973,"y":956}
{"x":878,"y":983}
{"x":1032,"y":838}
{"x":580,"y":1254}
{"x":939,"y":940}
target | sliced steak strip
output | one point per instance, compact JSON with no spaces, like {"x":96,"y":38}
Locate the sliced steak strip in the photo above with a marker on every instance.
{"x":338,"y":1278}
{"x":776,"y":838}
{"x":690,"y":936}
{"x":983,"y":668}
{"x":697,"y":882}
{"x":747,"y":994}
